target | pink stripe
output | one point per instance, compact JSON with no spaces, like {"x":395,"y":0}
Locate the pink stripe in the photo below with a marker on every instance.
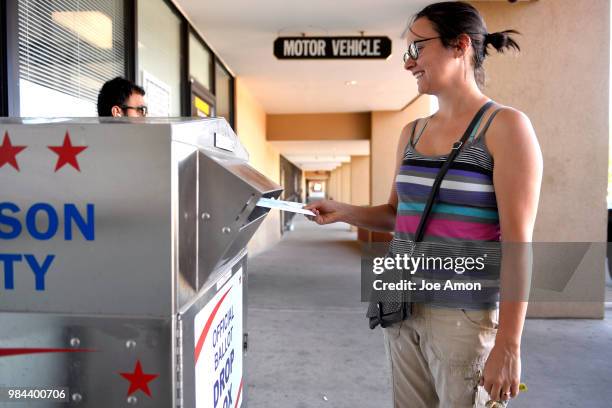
{"x":449,"y":228}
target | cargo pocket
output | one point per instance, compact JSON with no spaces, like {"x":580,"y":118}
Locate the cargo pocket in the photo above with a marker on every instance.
{"x":481,"y":319}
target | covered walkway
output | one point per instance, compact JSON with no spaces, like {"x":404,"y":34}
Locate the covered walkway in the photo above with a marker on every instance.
{"x":310,"y":345}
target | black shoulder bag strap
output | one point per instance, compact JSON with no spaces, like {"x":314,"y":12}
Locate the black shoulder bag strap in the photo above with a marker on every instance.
{"x":442,"y":172}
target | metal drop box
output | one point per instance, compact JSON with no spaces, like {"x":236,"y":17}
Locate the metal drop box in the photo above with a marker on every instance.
{"x":123,"y":270}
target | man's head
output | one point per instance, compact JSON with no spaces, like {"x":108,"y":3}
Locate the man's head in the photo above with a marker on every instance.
{"x":120,"y":97}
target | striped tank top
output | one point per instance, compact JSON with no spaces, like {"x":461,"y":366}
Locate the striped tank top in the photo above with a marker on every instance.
{"x":463,"y":224}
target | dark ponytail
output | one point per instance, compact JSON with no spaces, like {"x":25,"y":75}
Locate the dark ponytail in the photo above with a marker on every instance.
{"x":453,"y":18}
{"x":501,"y":41}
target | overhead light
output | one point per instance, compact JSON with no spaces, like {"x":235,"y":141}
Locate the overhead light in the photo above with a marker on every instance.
{"x":92,"y":26}
{"x":350,"y":83}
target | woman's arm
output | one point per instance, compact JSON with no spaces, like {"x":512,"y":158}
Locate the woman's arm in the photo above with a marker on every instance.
{"x":517,"y":177}
{"x":375,"y":218}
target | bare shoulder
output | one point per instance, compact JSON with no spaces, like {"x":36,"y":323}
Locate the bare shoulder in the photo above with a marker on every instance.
{"x":405,"y":137}
{"x":407,"y":130}
{"x":511,"y":131}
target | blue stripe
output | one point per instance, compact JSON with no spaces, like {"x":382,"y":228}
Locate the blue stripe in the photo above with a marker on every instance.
{"x":451,"y":209}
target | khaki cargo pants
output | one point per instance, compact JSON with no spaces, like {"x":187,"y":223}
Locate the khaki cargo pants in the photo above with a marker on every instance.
{"x":436,"y":355}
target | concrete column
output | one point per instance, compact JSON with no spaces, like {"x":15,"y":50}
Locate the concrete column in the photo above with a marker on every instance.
{"x":561,"y":81}
{"x":345,"y":182}
{"x":386,"y":129}
{"x":360,"y":176}
{"x":251,"y":129}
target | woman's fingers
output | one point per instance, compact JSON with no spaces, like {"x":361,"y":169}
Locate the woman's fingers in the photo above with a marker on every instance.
{"x":324,"y":219}
{"x":324,"y":213}
{"x":487,"y":385}
{"x":514,"y":389}
{"x":499,"y":391}
{"x":495,"y":391}
{"x":314,"y":210}
{"x":506,"y":394}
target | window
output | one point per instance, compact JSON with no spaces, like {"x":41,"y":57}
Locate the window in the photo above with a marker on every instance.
{"x":224,"y":93}
{"x":159,"y":57}
{"x":200,"y":61}
{"x":67,"y":50}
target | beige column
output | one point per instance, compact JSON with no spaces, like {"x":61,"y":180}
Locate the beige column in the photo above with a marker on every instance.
{"x":345,"y":182}
{"x":251,"y":129}
{"x":561,"y":81}
{"x":386,"y":129}
{"x":360,"y":180}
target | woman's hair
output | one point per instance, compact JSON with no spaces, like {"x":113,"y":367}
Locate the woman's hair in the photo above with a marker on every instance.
{"x":453,"y":18}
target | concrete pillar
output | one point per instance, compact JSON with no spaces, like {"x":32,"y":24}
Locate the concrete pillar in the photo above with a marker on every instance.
{"x":360,"y":180}
{"x":561,"y":81}
{"x":386,"y":129}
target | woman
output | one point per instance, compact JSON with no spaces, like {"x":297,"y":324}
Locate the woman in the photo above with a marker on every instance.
{"x":445,"y":355}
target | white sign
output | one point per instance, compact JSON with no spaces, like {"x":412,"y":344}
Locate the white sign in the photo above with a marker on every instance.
{"x":157,"y":95}
{"x":218,"y":350}
{"x":223,"y":141}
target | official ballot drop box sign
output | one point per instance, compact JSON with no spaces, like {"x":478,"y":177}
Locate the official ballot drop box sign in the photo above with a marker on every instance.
{"x":218,"y":350}
{"x":123,"y":260}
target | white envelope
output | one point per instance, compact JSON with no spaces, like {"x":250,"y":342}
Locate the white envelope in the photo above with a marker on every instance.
{"x":290,"y":206}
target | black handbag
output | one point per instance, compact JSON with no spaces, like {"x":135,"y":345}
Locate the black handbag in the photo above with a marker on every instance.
{"x":398,"y":306}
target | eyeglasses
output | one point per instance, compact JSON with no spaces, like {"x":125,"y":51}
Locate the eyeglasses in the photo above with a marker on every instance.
{"x":141,"y":109}
{"x":413,"y":49}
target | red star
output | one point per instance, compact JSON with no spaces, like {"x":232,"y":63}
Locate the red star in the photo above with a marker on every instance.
{"x":67,"y":153}
{"x":8,"y":152}
{"x":139,"y":380}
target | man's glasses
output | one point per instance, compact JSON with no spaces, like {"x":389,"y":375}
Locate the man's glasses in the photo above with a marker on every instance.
{"x":141,"y":109}
{"x":413,"y":49}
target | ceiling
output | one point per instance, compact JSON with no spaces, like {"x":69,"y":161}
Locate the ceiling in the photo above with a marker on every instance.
{"x":321,"y":154}
{"x":242,"y":33}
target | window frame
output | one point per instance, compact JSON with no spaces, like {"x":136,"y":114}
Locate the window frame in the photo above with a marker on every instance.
{"x":9,"y":58}
{"x":3,"y":60}
{"x":9,"y":53}
{"x":131,"y":40}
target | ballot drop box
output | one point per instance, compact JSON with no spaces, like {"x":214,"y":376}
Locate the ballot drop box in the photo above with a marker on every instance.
{"x":123,"y":273}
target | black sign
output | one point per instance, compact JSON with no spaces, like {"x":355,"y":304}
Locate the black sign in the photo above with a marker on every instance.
{"x":332,"y":47}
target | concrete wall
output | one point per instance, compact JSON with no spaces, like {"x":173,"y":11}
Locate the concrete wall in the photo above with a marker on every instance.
{"x":319,"y":126}
{"x":251,"y":129}
{"x":386,"y":129}
{"x":561,"y":81}
{"x":360,"y":176}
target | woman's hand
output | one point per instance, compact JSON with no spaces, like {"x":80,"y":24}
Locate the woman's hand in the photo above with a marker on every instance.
{"x":502,"y":372}
{"x":326,"y":211}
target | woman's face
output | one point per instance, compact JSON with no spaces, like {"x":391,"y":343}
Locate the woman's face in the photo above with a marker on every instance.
{"x":436,"y":66}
